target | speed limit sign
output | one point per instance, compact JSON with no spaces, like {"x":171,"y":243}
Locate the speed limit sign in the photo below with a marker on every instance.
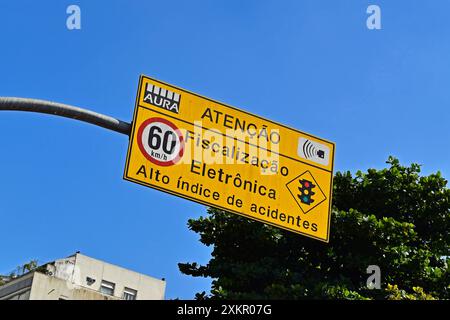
{"x":229,"y":159}
{"x":160,"y":141}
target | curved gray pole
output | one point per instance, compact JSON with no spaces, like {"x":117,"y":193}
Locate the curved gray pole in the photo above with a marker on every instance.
{"x":64,"y":110}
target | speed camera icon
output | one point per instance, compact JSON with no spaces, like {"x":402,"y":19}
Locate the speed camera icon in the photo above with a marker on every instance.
{"x":314,"y":151}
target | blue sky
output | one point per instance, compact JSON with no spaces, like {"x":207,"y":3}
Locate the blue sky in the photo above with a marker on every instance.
{"x":312,"y":65}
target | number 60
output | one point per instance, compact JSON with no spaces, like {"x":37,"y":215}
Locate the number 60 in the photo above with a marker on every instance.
{"x":168,"y":140}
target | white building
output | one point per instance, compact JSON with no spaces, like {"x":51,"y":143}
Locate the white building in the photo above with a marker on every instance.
{"x":79,"y":277}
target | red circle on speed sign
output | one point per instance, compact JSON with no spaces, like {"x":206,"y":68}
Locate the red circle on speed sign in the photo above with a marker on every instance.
{"x":160,"y":141}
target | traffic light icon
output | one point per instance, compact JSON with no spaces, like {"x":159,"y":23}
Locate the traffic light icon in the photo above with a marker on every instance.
{"x":305,"y":191}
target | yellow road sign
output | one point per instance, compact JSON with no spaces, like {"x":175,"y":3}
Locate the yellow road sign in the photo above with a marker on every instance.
{"x":203,"y":150}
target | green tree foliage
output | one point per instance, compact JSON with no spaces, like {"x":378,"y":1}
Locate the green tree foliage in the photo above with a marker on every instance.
{"x":393,"y":218}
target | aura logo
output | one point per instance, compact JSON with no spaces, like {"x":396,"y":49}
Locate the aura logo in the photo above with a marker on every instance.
{"x":162,"y":98}
{"x":306,"y":191}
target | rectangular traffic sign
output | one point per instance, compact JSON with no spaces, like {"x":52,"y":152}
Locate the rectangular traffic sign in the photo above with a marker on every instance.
{"x":206,"y":151}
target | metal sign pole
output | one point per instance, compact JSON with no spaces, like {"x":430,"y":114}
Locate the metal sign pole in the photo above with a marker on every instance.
{"x":64,"y":110}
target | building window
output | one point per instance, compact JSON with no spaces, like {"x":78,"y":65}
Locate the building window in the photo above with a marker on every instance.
{"x":129,"y":294}
{"x":107,"y":288}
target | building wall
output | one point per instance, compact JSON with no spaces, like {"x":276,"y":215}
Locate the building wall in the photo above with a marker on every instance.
{"x":18,"y":289}
{"x":79,"y":268}
{"x":79,"y":278}
{"x":24,"y":295}
{"x":50,"y":288}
